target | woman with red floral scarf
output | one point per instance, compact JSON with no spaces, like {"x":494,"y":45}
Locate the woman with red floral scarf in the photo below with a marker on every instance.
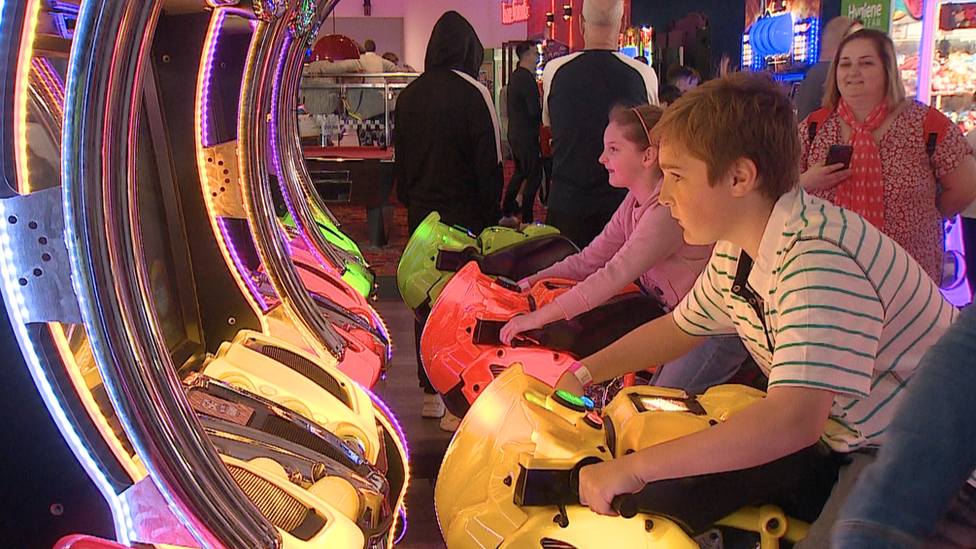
{"x":896,"y":180}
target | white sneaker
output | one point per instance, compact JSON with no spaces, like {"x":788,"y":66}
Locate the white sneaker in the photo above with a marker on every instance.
{"x":450,"y":422}
{"x":433,"y":407}
{"x":509,"y":221}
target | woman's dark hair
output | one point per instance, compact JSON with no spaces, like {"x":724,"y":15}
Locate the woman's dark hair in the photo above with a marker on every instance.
{"x":636,"y":122}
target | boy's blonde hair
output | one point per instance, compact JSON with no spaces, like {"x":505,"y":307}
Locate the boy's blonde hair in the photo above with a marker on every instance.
{"x":741,"y":115}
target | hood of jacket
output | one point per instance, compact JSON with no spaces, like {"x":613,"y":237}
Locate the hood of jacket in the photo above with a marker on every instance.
{"x":454,"y":45}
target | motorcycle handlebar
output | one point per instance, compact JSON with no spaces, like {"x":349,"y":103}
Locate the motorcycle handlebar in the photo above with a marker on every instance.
{"x":626,"y":505}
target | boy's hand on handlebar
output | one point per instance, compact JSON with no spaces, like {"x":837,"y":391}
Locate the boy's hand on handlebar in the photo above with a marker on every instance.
{"x":599,"y":483}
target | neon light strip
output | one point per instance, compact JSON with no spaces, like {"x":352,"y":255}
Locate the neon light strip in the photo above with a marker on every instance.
{"x":275,"y":159}
{"x":384,"y":331}
{"x":20,"y":92}
{"x":401,"y":441}
{"x":926,"y":52}
{"x":63,"y":12}
{"x":18,"y":314}
{"x":135,"y":470}
{"x":65,"y":7}
{"x":202,"y":135}
{"x":403,"y":534}
{"x":240,"y":268}
{"x":43,"y":73}
{"x":51,"y":81}
{"x":210,"y":51}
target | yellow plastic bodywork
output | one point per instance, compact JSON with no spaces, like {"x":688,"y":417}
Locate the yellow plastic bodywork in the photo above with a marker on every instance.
{"x":516,"y":423}
{"x":636,"y":430}
{"x":339,"y":532}
{"x":240,"y":364}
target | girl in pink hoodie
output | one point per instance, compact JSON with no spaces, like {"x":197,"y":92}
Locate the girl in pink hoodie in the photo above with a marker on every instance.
{"x":641,"y":242}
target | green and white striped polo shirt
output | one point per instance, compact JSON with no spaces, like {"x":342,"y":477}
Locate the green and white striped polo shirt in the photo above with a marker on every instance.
{"x":844,"y":308}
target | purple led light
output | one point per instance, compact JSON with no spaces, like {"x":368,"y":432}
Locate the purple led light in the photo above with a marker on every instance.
{"x":241,"y":268}
{"x":209,"y":62}
{"x":959,"y":295}
{"x":381,"y":326}
{"x":389,"y":414}
{"x":403,"y":531}
{"x":49,"y":78}
{"x":62,"y":13}
{"x":402,"y":437}
{"x":275,"y":92}
{"x":276,"y":160}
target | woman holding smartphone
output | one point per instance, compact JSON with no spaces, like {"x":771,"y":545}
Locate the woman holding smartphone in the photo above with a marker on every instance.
{"x":910,"y":166}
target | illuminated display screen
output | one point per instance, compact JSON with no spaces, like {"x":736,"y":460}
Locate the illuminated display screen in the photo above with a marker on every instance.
{"x":662,"y":404}
{"x":653,"y":403}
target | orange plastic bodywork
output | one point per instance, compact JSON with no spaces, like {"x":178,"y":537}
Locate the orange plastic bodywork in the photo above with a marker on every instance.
{"x":365,"y":358}
{"x":448,"y":349}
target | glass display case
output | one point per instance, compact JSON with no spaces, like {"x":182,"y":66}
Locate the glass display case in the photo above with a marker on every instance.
{"x":346,"y":126}
{"x":953,"y":80}
{"x":349,"y":110}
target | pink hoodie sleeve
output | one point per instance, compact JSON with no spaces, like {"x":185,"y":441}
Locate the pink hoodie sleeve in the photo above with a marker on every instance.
{"x":655,"y":237}
{"x":583,"y":264}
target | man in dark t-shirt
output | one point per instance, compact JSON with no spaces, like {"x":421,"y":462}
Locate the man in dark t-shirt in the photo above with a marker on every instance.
{"x":578,"y":92}
{"x":524,"y":118}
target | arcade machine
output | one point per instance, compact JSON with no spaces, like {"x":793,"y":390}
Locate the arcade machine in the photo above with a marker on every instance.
{"x":947,"y":81}
{"x":782,"y":37}
{"x":334,"y":319}
{"x":152,"y":363}
{"x":951,"y":41}
{"x":637,"y":42}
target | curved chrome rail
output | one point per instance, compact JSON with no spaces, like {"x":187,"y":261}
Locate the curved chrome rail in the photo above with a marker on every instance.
{"x":104,"y":94}
{"x":259,"y":71}
{"x":297,"y":191}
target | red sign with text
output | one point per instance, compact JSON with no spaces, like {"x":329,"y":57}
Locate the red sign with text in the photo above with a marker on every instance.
{"x":515,"y":12}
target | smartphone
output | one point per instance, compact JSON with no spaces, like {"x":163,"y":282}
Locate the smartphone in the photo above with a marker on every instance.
{"x":840,"y":154}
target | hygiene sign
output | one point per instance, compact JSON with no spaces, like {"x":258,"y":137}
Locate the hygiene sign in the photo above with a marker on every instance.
{"x":873,"y":14}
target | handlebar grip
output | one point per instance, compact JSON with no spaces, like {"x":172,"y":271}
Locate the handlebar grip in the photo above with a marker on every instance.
{"x":625,"y":505}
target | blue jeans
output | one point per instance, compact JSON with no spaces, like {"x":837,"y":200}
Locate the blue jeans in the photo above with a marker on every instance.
{"x":714,"y":361}
{"x":927,"y":456}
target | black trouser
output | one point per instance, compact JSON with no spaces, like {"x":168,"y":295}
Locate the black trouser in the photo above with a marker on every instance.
{"x":528,"y":168}
{"x":418,"y":329}
{"x":581,"y":228}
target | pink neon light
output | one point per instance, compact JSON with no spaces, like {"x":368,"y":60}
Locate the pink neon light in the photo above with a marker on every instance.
{"x":245,"y":273}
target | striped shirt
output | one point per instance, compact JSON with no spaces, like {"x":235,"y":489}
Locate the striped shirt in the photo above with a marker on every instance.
{"x":830,"y":303}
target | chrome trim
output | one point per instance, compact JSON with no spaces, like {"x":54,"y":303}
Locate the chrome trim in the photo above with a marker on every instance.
{"x":103,"y":101}
{"x":34,"y":229}
{"x":295,"y":187}
{"x":252,"y":131}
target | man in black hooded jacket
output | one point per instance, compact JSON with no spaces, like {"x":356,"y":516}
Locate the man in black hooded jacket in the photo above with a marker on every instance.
{"x":448,"y":149}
